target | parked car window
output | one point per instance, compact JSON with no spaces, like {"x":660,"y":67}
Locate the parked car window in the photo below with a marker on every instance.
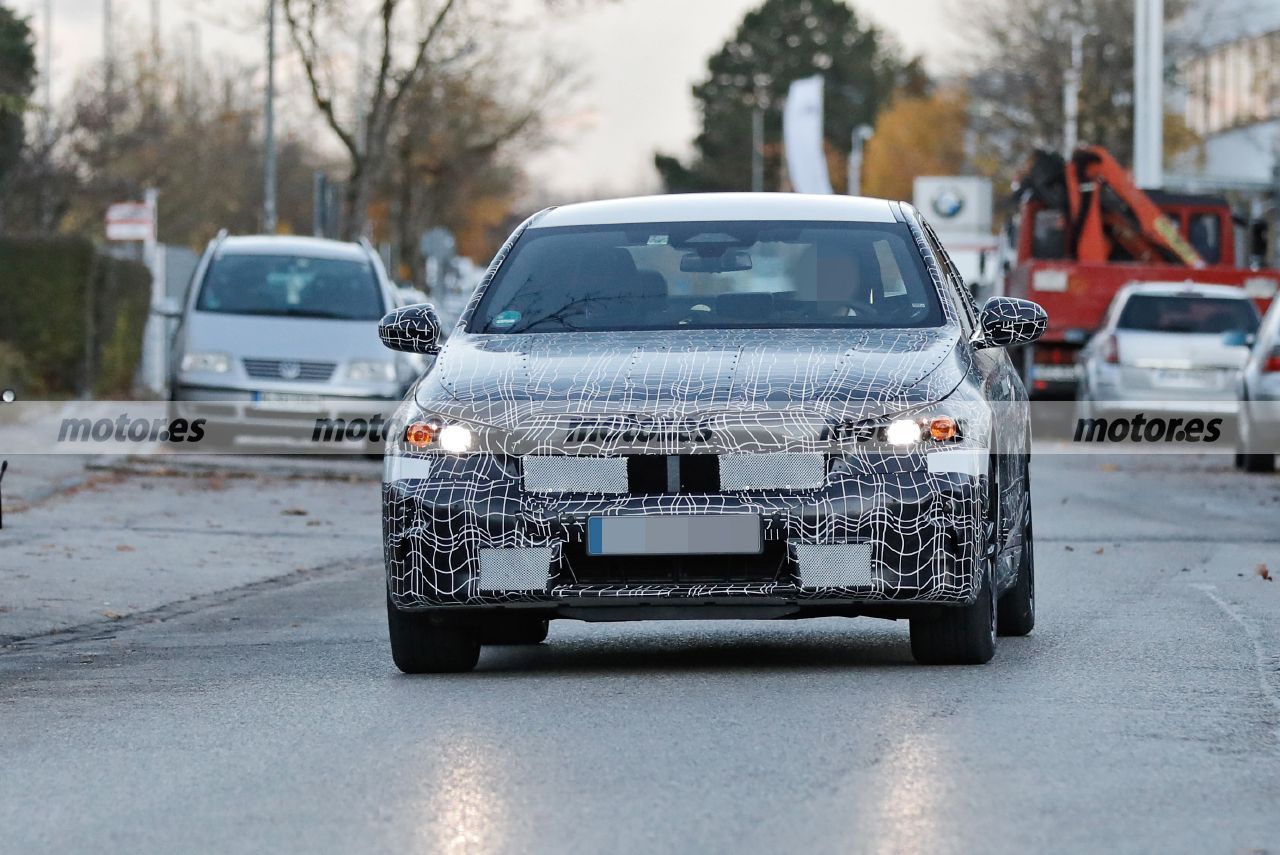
{"x":1157,"y":313}
{"x":717,"y":275}
{"x":291,"y":286}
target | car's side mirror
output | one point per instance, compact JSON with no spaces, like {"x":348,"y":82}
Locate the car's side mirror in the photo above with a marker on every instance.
{"x":169,"y":307}
{"x":1008,"y":321}
{"x":411,"y":329}
{"x":1238,"y":338}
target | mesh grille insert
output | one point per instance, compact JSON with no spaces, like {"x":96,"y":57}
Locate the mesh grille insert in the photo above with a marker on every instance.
{"x":561,"y":474}
{"x":515,"y":569}
{"x":844,"y":565}
{"x":775,"y":471}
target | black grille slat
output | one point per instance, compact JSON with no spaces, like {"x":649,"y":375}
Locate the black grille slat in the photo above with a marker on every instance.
{"x":274,"y":369}
{"x":647,"y":474}
{"x":699,"y":473}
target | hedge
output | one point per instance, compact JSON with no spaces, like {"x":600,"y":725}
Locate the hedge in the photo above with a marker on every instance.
{"x":73,"y":316}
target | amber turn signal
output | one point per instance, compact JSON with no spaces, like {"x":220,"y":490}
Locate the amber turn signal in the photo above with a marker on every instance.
{"x":943,"y":428}
{"x":420,"y":434}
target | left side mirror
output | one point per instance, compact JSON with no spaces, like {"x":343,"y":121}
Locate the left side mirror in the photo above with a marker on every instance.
{"x":1008,"y":322}
{"x":169,"y":307}
{"x":411,"y":329}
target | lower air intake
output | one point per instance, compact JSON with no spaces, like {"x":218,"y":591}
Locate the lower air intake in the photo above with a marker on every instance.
{"x":515,"y":569}
{"x":845,"y":565}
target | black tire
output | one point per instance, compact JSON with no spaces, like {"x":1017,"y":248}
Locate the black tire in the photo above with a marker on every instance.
{"x":1016,"y":610}
{"x":1249,"y":460}
{"x":1258,"y":463}
{"x":961,"y":636}
{"x":966,"y":635}
{"x":514,"y":630}
{"x":421,"y":646}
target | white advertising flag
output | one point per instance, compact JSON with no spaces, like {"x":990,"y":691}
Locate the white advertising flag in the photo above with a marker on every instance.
{"x":802,"y":136}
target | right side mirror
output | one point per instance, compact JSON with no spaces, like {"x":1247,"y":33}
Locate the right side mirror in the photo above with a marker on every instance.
{"x":1238,"y":338}
{"x":411,"y":329}
{"x":1008,"y":322}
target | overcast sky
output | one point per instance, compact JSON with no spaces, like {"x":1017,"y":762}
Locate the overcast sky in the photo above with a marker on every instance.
{"x":638,"y":59}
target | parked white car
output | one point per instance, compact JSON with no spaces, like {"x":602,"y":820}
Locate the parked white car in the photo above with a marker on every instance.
{"x":1260,"y":398}
{"x":1173,"y":347}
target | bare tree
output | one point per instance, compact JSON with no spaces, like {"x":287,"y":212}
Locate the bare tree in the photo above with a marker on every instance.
{"x":399,"y":66}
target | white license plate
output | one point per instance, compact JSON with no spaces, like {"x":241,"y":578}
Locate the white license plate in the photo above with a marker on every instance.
{"x":712,"y":534}
{"x":285,"y":398}
{"x":1173,"y":378}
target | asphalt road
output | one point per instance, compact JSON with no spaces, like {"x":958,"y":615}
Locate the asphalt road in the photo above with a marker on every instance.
{"x":1142,"y":715}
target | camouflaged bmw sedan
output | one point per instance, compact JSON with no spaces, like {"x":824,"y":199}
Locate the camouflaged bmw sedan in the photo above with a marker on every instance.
{"x":704,"y":406}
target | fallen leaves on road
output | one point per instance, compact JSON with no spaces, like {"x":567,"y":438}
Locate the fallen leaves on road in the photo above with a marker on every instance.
{"x":110,"y":615}
{"x":294,"y":512}
{"x":1262,"y":571}
{"x":1099,"y":550}
{"x":124,"y":547}
{"x":1109,"y":467}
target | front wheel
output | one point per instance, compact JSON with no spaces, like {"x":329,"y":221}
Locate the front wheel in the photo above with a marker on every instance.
{"x":961,"y":636}
{"x":1016,"y":610}
{"x":420,"y":646}
{"x":1248,"y":457}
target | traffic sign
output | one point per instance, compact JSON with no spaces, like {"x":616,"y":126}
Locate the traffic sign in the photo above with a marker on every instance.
{"x":131,"y":221}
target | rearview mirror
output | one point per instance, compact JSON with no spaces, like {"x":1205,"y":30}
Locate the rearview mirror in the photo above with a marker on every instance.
{"x":1008,"y":322}
{"x":411,"y":329}
{"x":729,"y":261}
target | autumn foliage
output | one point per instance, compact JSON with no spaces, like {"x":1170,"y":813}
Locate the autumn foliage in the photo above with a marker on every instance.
{"x":915,"y":135}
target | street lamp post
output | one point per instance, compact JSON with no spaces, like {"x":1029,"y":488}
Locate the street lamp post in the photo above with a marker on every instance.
{"x":269,"y":133}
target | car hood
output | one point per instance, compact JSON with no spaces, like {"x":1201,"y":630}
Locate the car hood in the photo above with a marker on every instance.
{"x":507,"y":380}
{"x":261,"y":337}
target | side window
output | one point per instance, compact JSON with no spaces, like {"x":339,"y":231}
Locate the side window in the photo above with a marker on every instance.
{"x":1203,"y":234}
{"x":957,"y":292}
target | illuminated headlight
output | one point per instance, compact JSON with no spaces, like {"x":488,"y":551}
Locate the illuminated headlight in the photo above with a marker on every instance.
{"x":371,"y":370}
{"x":456,"y":439}
{"x":911,"y":431}
{"x":902,"y":432}
{"x":210,"y":363}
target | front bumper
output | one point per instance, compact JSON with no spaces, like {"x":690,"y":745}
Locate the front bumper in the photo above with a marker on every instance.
{"x":915,"y":527}
{"x":315,"y":416}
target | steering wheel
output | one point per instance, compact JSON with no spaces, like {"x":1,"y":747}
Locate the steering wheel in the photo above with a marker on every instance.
{"x":860,"y":309}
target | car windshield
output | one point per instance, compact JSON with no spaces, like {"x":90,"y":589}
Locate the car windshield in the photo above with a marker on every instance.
{"x":1175,"y":314}
{"x":291,"y":286}
{"x":710,"y":275}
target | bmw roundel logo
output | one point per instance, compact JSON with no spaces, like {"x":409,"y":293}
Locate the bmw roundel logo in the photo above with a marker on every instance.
{"x":290,"y":370}
{"x":948,"y":203}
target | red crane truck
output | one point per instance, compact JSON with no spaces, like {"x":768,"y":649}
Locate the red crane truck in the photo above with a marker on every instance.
{"x":1085,"y":230}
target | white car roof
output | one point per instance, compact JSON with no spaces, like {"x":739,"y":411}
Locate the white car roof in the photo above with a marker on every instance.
{"x":698,"y":207}
{"x":1185,"y":289}
{"x":310,"y":247}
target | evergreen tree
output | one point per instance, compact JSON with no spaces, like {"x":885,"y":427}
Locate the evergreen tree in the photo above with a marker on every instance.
{"x":782,"y":41}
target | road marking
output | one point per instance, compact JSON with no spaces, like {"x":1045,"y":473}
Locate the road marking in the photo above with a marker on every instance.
{"x":1261,"y":661}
